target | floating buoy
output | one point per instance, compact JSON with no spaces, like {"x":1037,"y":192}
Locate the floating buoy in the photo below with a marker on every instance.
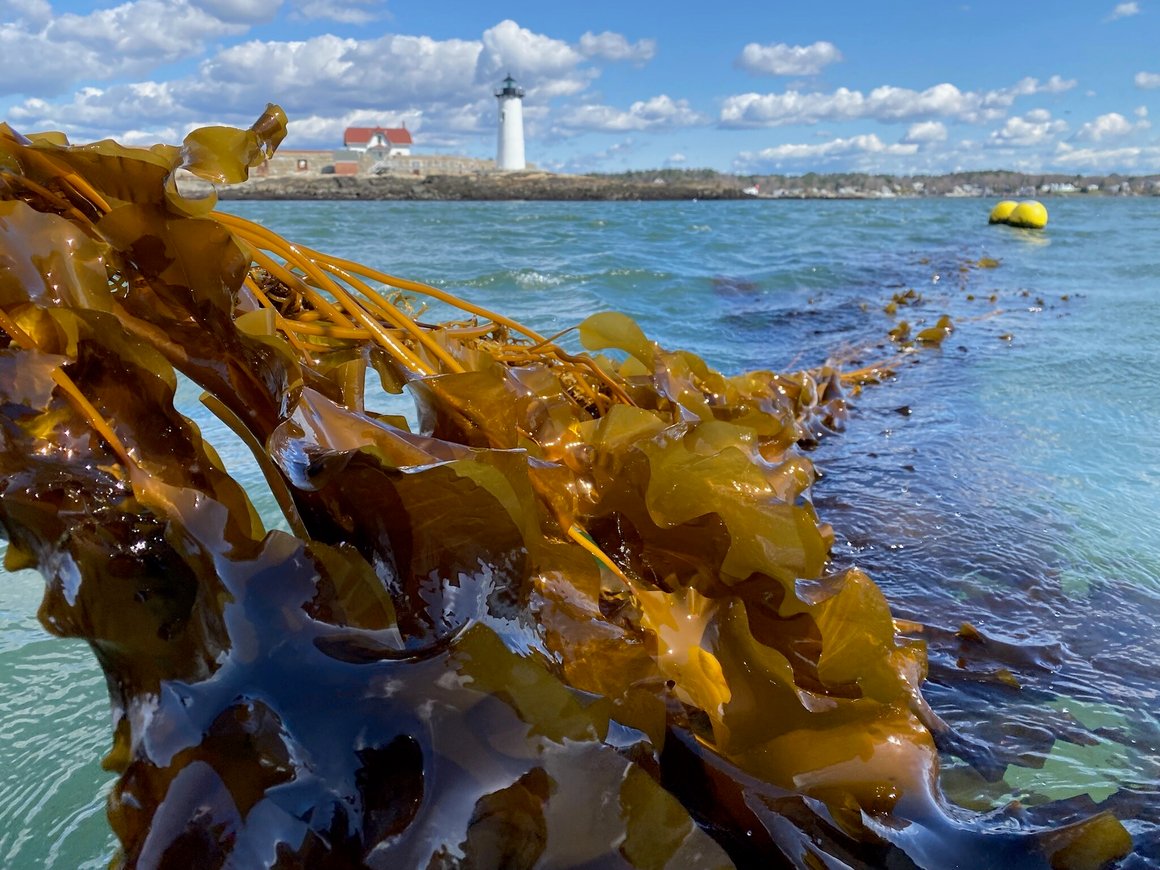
{"x":1028,"y":214}
{"x":1002,"y":211}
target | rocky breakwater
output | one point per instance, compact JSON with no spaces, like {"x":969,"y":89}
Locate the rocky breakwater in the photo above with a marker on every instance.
{"x":508,"y":186}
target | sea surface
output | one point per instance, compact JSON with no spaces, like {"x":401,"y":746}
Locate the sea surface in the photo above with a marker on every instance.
{"x":1003,"y":489}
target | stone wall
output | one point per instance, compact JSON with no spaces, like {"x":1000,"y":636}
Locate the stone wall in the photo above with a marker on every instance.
{"x":306,"y":164}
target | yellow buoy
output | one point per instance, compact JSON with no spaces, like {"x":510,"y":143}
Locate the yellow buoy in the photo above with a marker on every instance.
{"x":1029,"y":214}
{"x":1002,"y":211}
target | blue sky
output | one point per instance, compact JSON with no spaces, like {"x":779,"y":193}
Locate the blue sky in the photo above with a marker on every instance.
{"x":911,"y":86}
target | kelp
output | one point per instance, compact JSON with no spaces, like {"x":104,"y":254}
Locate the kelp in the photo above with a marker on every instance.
{"x":583,"y":617}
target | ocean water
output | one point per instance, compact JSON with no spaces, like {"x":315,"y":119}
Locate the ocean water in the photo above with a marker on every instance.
{"x":1003,"y":489}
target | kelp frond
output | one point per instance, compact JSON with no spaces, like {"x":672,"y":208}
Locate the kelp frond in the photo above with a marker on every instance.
{"x":576,"y":589}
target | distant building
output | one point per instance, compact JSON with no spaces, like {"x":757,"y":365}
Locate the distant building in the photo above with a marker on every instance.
{"x":389,"y":141}
{"x":510,"y":150}
{"x":347,"y":162}
{"x":294,"y":162}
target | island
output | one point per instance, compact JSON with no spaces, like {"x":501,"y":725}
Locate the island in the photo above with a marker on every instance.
{"x":672,"y":184}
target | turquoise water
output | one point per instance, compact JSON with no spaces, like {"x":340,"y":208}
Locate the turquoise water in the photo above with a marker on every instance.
{"x":1009,"y":479}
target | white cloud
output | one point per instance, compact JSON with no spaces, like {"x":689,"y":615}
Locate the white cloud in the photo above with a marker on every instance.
{"x":27,"y":12}
{"x":1055,"y":85}
{"x":887,"y":103}
{"x":324,"y":76}
{"x":1141,"y":112}
{"x":552,"y":65}
{"x":779,"y":59}
{"x":148,"y":105}
{"x":240,"y":11}
{"x":342,"y":11}
{"x":676,"y":159}
{"x":614,"y":46}
{"x":1147,"y":80}
{"x":43,"y":58}
{"x":442,"y":87}
{"x":158,"y":31}
{"x":853,"y":146}
{"x":1112,"y":126}
{"x":926,"y":132}
{"x":1034,"y":128}
{"x":1124,"y":10}
{"x":391,"y":72}
{"x":1101,"y":159}
{"x":660,"y":112}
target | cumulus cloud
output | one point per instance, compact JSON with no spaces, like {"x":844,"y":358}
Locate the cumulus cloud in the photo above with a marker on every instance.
{"x":159,"y":31}
{"x":660,"y":112}
{"x":926,"y":132}
{"x":855,"y":145}
{"x":1054,"y":85}
{"x":676,"y":159}
{"x":43,"y":57}
{"x":552,"y":64}
{"x":392,"y":71}
{"x":1124,"y":10}
{"x":1111,"y":126}
{"x":1102,"y":159}
{"x":1034,"y":128}
{"x":327,"y":82}
{"x":391,"y":75}
{"x":614,"y":46}
{"x":1147,"y":80}
{"x":779,"y":59}
{"x":887,"y":104}
{"x":152,"y":106}
{"x":27,"y":12}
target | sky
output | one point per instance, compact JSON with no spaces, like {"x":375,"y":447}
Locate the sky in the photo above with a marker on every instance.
{"x":905,"y":87}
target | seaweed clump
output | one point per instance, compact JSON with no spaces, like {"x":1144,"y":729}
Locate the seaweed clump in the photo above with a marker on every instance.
{"x":582,"y":618}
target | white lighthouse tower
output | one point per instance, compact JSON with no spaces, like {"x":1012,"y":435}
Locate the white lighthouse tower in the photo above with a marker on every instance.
{"x":510,"y":154}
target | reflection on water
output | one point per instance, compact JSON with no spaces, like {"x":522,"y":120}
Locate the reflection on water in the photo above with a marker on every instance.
{"x":1010,"y":514}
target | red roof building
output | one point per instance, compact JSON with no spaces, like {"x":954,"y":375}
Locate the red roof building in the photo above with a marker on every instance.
{"x":392,"y":140}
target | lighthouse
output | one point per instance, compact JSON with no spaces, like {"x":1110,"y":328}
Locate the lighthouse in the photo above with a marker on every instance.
{"x":510,"y":154}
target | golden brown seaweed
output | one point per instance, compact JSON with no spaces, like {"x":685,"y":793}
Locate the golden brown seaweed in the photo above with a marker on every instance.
{"x":582,"y":618}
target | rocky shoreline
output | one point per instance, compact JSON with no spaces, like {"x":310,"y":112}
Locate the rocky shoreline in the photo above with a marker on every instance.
{"x":512,"y":186}
{"x":535,"y":185}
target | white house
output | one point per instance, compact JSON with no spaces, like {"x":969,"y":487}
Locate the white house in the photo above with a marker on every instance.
{"x":391,"y":141}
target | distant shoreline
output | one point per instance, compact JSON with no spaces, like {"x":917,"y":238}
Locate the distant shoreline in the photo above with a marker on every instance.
{"x":460,"y":188}
{"x":668,"y":185}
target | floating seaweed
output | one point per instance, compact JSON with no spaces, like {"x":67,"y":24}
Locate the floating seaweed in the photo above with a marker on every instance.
{"x":582,"y":618}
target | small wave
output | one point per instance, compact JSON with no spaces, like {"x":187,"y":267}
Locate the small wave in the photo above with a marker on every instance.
{"x":528,"y":279}
{"x":532,"y":280}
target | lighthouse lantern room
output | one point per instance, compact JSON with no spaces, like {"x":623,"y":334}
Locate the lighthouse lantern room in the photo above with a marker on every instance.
{"x":510,"y":154}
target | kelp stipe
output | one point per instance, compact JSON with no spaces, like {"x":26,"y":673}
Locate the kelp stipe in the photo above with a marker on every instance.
{"x":581,"y":618}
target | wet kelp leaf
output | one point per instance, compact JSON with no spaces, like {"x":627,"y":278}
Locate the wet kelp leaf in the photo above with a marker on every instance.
{"x":582,"y":617}
{"x":935,"y":334}
{"x":227,"y":154}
